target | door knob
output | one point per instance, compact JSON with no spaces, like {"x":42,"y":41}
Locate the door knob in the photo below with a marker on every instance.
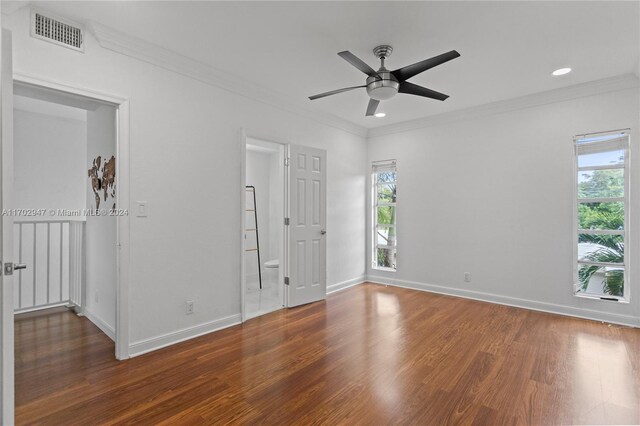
{"x":322,"y":232}
{"x":10,"y":267}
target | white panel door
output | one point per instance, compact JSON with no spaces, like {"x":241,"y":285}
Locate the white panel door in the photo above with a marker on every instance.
{"x":6,"y":231}
{"x":307,"y":225}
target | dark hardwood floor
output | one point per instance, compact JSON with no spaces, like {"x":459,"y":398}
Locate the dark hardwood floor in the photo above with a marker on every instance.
{"x":368,"y":355}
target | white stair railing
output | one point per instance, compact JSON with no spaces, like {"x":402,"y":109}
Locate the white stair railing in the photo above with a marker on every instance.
{"x":53,"y":251}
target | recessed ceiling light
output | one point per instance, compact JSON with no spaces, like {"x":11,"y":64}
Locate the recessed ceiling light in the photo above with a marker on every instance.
{"x":561,"y":71}
{"x":380,"y":114}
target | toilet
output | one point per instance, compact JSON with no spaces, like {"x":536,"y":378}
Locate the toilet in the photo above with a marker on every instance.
{"x":272,"y":264}
{"x":271,"y":273}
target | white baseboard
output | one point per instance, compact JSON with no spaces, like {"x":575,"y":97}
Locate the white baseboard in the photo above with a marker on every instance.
{"x":100,"y":323}
{"x":148,"y":345}
{"x":333,"y":288}
{"x":590,"y":314}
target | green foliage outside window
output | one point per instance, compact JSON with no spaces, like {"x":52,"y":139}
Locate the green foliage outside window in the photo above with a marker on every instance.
{"x":602,"y":216}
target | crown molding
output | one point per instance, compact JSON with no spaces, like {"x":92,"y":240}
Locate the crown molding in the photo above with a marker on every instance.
{"x":148,"y":52}
{"x":612,"y":84}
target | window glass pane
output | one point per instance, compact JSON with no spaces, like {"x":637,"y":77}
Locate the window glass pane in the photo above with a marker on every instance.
{"x":608,"y":216}
{"x":601,"y":183}
{"x":606,"y":158}
{"x":382,"y":177}
{"x":601,"y":248}
{"x":386,"y":235}
{"x":386,"y":258}
{"x":387,"y":193}
{"x":386,"y":215}
{"x":601,"y":280}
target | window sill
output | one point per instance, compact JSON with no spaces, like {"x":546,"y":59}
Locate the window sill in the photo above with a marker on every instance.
{"x":607,"y":298}
{"x":380,"y":268}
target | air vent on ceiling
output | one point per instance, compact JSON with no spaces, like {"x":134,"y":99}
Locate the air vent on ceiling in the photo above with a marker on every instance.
{"x":58,"y":31}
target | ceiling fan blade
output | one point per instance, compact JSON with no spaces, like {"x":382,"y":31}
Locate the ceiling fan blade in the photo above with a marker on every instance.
{"x":333,"y":92}
{"x":409,"y":71}
{"x":414,"y":89}
{"x":371,"y":108}
{"x":358,"y":63}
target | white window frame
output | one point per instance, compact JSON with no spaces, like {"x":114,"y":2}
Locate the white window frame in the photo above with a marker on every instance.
{"x":378,"y":167}
{"x":620,"y":143}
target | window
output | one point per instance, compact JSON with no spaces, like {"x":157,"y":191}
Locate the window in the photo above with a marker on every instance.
{"x":601,"y":212}
{"x":384,"y":239}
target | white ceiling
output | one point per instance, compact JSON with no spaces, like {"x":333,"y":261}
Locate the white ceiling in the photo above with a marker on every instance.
{"x":508,"y":48}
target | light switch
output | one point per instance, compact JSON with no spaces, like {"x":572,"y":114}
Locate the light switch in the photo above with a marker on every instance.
{"x":141,"y":210}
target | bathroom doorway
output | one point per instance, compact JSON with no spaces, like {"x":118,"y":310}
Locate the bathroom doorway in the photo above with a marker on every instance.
{"x":264,"y":227}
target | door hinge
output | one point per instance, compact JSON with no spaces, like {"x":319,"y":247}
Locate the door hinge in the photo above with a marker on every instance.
{"x":286,"y":161}
{"x":286,"y":221}
{"x":286,"y":280}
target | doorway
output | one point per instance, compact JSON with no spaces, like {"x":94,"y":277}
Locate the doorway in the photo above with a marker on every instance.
{"x":65,"y":225}
{"x":264,"y":239}
{"x":65,"y":206}
{"x":283,"y":225}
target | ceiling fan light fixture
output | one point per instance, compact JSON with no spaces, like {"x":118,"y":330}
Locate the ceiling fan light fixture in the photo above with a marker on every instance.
{"x":561,"y":71}
{"x":383,"y":86}
{"x":382,"y":93}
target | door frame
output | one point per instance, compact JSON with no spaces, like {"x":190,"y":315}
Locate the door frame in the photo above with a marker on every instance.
{"x":122,"y":197}
{"x":7,"y":370}
{"x":284,"y":259}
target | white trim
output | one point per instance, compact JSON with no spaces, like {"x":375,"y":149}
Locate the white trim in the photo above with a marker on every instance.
{"x":123,"y":231}
{"x":40,"y":307}
{"x":243,"y":220}
{"x":63,"y":87}
{"x":142,"y":50}
{"x":334,"y":288}
{"x":605,"y":297}
{"x":606,"y":85}
{"x":100,"y":323}
{"x":7,"y":343}
{"x":594,"y":168}
{"x":600,"y":200}
{"x":533,"y":305}
{"x":122,"y":197}
{"x":606,"y":264}
{"x":600,"y":232}
{"x":147,"y":345}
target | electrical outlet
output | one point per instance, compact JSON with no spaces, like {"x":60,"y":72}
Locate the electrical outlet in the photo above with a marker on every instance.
{"x":190,"y":307}
{"x":467,"y":277}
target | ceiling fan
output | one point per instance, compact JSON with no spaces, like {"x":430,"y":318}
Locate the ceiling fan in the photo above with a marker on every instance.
{"x":384,"y":84}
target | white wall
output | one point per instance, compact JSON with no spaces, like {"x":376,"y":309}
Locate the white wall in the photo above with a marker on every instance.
{"x":49,"y":162}
{"x":100,"y":231}
{"x":493,"y":196}
{"x":276,"y":203}
{"x":184,"y":133}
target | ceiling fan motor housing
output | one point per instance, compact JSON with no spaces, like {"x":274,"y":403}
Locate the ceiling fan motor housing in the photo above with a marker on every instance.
{"x":382,"y":88}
